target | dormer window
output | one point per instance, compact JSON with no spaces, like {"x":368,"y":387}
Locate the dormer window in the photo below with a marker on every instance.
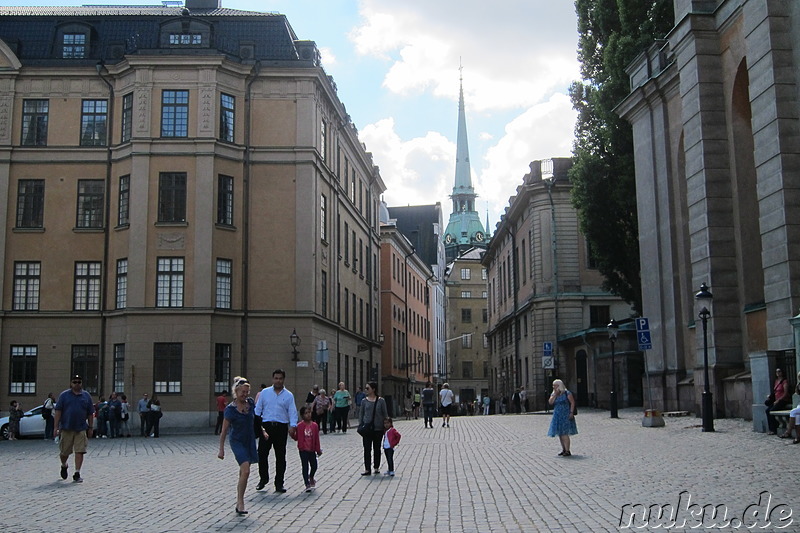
{"x":185,"y":39}
{"x":73,"y":46}
{"x":185,"y":33}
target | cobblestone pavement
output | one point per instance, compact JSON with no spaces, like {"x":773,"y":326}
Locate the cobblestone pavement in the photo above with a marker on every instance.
{"x":483,"y":474}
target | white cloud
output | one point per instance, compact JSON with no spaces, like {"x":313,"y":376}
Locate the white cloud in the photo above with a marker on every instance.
{"x":541,"y":132}
{"x":328,"y":57}
{"x":416,"y":171}
{"x":514,"y":54}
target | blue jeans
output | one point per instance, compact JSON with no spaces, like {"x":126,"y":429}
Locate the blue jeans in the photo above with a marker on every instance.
{"x":428,"y":412}
{"x":308,"y":459}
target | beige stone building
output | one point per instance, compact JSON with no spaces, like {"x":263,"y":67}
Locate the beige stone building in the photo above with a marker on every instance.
{"x":715,"y":119}
{"x":467,"y":320}
{"x":542,"y":288}
{"x":183,"y":190}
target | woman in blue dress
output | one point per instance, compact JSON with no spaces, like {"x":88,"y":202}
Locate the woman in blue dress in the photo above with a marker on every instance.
{"x":563,"y":423}
{"x":239,"y":420}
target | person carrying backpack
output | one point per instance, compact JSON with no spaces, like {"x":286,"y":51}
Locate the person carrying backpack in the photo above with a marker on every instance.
{"x":47,"y":414}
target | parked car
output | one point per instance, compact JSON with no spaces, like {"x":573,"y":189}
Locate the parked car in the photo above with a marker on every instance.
{"x":30,"y":425}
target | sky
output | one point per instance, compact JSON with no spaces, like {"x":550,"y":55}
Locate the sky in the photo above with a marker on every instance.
{"x":396,"y":66}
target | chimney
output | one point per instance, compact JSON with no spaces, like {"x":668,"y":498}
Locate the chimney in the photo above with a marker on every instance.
{"x":203,"y":4}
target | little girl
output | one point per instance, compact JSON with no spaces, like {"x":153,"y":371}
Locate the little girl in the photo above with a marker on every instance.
{"x":391,"y":438}
{"x":307,"y":436}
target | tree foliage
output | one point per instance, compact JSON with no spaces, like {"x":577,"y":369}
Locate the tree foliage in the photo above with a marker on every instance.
{"x":611,"y":34}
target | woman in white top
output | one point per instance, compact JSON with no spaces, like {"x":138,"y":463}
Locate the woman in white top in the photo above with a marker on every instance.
{"x":447,"y":399}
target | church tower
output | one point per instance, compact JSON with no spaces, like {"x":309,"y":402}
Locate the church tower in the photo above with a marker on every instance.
{"x":464,"y":229}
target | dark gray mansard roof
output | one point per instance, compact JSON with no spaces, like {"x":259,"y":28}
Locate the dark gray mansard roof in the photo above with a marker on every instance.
{"x":31,"y":32}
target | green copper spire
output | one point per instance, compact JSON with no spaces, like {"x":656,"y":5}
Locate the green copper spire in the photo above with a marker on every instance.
{"x":464,"y":229}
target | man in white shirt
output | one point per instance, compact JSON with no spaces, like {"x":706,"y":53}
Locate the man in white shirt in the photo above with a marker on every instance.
{"x":278,"y":414}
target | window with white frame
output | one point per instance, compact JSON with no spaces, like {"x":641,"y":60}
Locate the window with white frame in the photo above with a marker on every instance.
{"x":73,"y":46}
{"x":465,"y":273}
{"x":122,"y":283}
{"x":169,"y":282}
{"x":224,"y":283}
{"x":175,"y":113}
{"x":27,"y":279}
{"x":87,"y":286}
{"x":167,"y":367}
{"x":34,"y":122}
{"x":23,"y":370}
{"x":119,"y":368}
{"x":227,"y":117}
{"x":466,"y":294}
{"x":94,"y":122}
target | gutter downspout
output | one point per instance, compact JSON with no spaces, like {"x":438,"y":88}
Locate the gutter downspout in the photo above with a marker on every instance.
{"x":248,"y":109}
{"x":106,"y":222}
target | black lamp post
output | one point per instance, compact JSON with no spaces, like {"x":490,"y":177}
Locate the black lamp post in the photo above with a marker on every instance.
{"x":294,"y":338}
{"x":704,"y":298}
{"x":613,"y":331}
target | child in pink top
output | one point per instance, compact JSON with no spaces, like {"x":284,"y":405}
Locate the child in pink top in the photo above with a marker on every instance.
{"x":307,"y":437}
{"x":391,"y":438}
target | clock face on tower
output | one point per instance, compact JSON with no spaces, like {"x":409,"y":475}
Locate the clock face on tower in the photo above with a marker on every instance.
{"x":479,"y":236}
{"x":448,"y":238}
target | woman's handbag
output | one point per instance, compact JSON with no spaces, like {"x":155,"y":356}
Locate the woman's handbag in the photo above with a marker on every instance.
{"x":769,"y":402}
{"x":365,"y":429}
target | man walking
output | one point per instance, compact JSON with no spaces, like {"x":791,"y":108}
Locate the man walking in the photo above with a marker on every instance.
{"x":222,"y":403}
{"x":73,"y":425}
{"x":144,"y":412}
{"x":278,"y":415}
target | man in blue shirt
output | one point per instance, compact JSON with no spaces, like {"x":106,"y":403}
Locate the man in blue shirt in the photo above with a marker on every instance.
{"x":278,"y":414}
{"x":73,"y":425}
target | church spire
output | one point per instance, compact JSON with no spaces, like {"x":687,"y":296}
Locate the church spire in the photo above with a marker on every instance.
{"x":464,"y":230}
{"x":463,"y":181}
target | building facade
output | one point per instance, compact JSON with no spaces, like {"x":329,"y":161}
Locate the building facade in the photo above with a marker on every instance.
{"x":184,"y":190}
{"x":542,"y":289}
{"x":467,"y":320}
{"x":715,"y":119}
{"x":422,"y":226}
{"x":407,"y":362}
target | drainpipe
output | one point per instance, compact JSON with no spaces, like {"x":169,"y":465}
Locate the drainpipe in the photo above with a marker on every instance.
{"x":248,"y":122}
{"x":107,"y":219}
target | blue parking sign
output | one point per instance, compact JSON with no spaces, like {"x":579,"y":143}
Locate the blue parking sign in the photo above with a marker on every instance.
{"x":643,"y":334}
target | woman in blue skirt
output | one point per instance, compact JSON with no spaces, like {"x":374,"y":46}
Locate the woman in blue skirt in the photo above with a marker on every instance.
{"x":239,"y":420}
{"x":563,"y":423}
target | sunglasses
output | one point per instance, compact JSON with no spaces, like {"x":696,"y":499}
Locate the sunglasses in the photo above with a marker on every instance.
{"x":76,"y":382}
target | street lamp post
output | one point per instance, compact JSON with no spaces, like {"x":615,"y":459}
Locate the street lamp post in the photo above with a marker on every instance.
{"x":613,"y":331}
{"x":294,"y":339}
{"x":704,"y":297}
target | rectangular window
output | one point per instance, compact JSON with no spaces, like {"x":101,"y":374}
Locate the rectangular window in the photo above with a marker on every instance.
{"x":94,"y":120}
{"x":90,"y":203}
{"x":34,"y":122}
{"x":465,"y":273}
{"x":185,"y":39}
{"x":225,"y":200}
{"x":26,"y":286}
{"x":484,"y":274}
{"x":224,"y":283}
{"x":485,"y":315}
{"x":323,"y":217}
{"x":30,"y":204}
{"x":599,"y":316}
{"x":167,"y":367}
{"x":222,"y":367}
{"x":466,"y":294}
{"x":23,"y":370}
{"x":324,"y":295}
{"x":466,"y":369}
{"x":169,"y":289}
{"x":119,"y":368}
{"x":73,"y":46}
{"x":123,"y":215}
{"x":127,"y":118}
{"x":122,"y":283}
{"x":87,"y":286}
{"x":466,"y":316}
{"x":323,"y":140}
{"x":172,"y":197}
{"x":175,"y":114}
{"x":346,"y":244}
{"x":227,"y":117}
{"x":353,"y":186}
{"x":466,"y":341}
{"x":346,"y":308}
{"x":86,"y":363}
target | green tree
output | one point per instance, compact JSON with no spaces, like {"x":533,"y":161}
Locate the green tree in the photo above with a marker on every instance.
{"x":611,"y":34}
